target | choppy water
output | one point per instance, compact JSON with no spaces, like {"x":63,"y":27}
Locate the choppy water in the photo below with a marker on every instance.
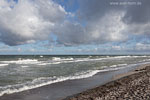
{"x":19,"y":73}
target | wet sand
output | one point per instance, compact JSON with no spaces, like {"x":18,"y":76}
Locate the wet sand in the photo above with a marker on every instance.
{"x":61,"y":90}
{"x":133,"y":85}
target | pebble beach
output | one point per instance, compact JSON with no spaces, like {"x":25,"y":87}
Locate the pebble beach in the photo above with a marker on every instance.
{"x":135,"y":86}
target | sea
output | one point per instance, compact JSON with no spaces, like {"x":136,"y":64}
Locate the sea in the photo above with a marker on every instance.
{"x":23,"y":72}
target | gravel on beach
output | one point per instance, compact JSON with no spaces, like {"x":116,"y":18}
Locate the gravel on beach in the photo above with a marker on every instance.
{"x":132,"y":87}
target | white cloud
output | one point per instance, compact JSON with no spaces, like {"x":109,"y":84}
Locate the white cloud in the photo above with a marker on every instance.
{"x":142,"y":47}
{"x":105,"y":29}
{"x":27,"y":21}
{"x":19,"y":49}
{"x":116,"y":48}
{"x":109,"y":28}
{"x":32,"y":50}
{"x":71,"y":34}
{"x":139,"y":29}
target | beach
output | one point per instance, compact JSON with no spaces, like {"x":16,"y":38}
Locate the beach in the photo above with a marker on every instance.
{"x":102,"y":86}
{"x":133,"y":85}
{"x":74,"y":49}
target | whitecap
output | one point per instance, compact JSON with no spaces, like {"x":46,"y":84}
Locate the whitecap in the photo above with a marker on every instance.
{"x":22,"y":61}
{"x":42,"y":81}
{"x":24,"y":66}
{"x":4,"y":65}
{"x":41,"y":56}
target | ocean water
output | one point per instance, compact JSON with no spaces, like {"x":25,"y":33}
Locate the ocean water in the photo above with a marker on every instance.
{"x":19,"y":73}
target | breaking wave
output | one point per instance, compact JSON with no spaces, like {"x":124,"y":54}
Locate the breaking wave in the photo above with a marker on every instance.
{"x":42,"y":81}
{"x":22,"y":61}
{"x":59,"y":60}
{"x":4,"y":65}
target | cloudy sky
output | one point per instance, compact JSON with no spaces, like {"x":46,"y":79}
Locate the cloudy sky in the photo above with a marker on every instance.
{"x":74,"y":26}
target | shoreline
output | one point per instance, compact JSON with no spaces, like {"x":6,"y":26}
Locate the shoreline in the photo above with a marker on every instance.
{"x":134,"y":85}
{"x":61,"y":90}
{"x":137,"y":70}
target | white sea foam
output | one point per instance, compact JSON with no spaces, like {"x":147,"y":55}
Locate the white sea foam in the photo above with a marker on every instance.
{"x":98,"y":59}
{"x":43,"y":64}
{"x":42,"y":81}
{"x":120,"y":57}
{"x":104,"y":67}
{"x":105,"y":58}
{"x":113,"y":66}
{"x":48,"y":63}
{"x":46,"y":81}
{"x":122,"y":64}
{"x":118,"y":65}
{"x":58,"y":60}
{"x":146,"y":60}
{"x":49,"y":80}
{"x":61,"y":59}
{"x":55,"y":62}
{"x":24,"y":66}
{"x":4,"y":65}
{"x":22,"y":61}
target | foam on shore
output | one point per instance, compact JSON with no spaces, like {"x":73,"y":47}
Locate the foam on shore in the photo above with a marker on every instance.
{"x":48,"y":80}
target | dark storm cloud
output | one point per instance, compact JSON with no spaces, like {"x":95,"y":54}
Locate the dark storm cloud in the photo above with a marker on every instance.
{"x":94,"y":9}
{"x":135,"y":18}
{"x":138,"y":14}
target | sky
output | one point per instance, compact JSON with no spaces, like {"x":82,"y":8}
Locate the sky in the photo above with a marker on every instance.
{"x":74,"y":27}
